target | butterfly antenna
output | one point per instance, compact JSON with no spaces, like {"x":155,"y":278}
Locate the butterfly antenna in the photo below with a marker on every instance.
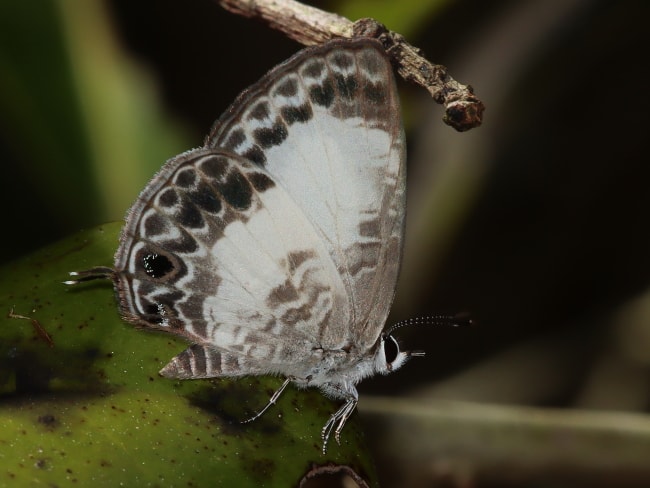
{"x":96,"y":273}
{"x":458,"y":320}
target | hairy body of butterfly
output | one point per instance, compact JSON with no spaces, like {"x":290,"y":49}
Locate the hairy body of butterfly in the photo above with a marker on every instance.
{"x":275,"y":248}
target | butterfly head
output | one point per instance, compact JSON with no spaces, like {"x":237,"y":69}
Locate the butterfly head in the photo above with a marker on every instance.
{"x":390,"y":357}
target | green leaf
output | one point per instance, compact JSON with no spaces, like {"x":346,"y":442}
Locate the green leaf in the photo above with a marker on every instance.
{"x":81,"y":400}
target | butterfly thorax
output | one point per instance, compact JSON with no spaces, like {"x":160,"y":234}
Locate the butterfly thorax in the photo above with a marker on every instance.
{"x":336,"y":371}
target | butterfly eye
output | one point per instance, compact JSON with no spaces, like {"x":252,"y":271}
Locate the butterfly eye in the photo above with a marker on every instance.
{"x":391,"y":349}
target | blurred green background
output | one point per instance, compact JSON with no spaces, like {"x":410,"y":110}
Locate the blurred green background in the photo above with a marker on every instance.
{"x":536,"y":223}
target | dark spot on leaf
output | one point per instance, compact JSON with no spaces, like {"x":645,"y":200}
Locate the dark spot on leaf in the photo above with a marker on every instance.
{"x":47,"y":419}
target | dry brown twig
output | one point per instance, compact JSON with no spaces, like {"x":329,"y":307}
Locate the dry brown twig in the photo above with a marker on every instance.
{"x":309,"y":26}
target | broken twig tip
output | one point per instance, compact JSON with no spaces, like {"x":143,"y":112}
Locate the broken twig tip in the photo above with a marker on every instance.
{"x":309,"y":25}
{"x":463,"y":110}
{"x":464,"y":115}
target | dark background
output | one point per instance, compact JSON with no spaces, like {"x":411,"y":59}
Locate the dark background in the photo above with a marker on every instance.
{"x":536,"y":223}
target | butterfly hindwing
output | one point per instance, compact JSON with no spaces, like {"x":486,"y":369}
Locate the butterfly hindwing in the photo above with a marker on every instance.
{"x":283,"y":235}
{"x":275,"y":247}
{"x":216,"y":252}
{"x":326,"y":124}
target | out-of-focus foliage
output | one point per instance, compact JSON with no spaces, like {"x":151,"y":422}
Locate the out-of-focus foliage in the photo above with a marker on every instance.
{"x":406,"y":17}
{"x":81,"y":128}
{"x":536,"y":223}
{"x":81,"y":400}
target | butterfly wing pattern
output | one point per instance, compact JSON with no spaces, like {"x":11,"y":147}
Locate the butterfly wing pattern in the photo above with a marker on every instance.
{"x":275,"y":248}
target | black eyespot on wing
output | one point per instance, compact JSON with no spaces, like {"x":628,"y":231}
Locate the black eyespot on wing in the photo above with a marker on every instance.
{"x":291,"y":115}
{"x":168,"y":198}
{"x":234,"y":139}
{"x":163,"y":311}
{"x":152,"y":314}
{"x":342,"y":60}
{"x":186,"y":178}
{"x":375,"y":93}
{"x":256,"y":155}
{"x":347,"y":86}
{"x":260,"y":181}
{"x":322,"y":95}
{"x":371,"y":62}
{"x":236,"y":191}
{"x":189,"y":216}
{"x":156,"y":265}
{"x":205,"y":198}
{"x":313,"y":70}
{"x":260,"y":111}
{"x":288,"y":88}
{"x":216,"y":166}
{"x":154,"y":225}
{"x":271,"y":136}
{"x":391,"y":349}
{"x":186,"y":244}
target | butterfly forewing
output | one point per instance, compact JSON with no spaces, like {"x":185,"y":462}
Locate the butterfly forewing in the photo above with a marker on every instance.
{"x":275,"y":248}
{"x":283,"y":235}
{"x":326,"y":124}
{"x":216,"y":252}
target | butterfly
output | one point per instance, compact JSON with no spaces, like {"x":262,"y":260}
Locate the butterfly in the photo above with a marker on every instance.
{"x":274,"y":249}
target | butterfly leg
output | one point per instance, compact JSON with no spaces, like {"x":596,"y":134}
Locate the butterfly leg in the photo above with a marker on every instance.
{"x":274,"y":398}
{"x":339,"y":418}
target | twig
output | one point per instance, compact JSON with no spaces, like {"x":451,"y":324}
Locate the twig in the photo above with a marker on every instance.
{"x":38,"y":328}
{"x":309,"y":26}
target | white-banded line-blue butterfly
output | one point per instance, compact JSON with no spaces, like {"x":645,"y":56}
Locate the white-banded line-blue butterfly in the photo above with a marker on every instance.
{"x":275,"y":247}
